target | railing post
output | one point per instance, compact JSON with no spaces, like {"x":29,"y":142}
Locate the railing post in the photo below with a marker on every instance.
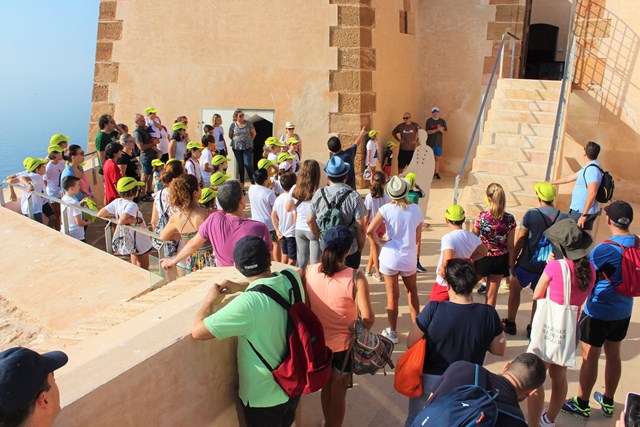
{"x":513,"y":56}
{"x":93,"y":168}
{"x":108,"y":238}
{"x":2,"y":202}
{"x":65,"y":219}
{"x":161,"y":254}
{"x":30,"y":205}
{"x":501,"y":59}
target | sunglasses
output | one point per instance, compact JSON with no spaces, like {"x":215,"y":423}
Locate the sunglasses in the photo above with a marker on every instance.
{"x":240,"y":115}
{"x":406,"y":118}
{"x":79,"y":154}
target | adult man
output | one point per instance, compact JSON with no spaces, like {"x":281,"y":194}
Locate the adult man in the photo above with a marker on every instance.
{"x":159,"y":131}
{"x":605,"y":318}
{"x":223,"y":230}
{"x":347,"y":156}
{"x":109,"y":132}
{"x":29,"y":395}
{"x":245,"y":317}
{"x":436,"y":128}
{"x":406,"y":133}
{"x":518,"y":380}
{"x":525,"y":270}
{"x":584,"y":208}
{"x":352,"y":208}
{"x":148,"y":152}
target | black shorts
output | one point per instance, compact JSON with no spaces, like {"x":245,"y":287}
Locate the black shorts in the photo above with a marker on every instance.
{"x":279,"y":415}
{"x":494,"y":265}
{"x":591,"y":218}
{"x":404,"y":158}
{"x":338,"y":361}
{"x":595,"y":331}
{"x":353,"y":260}
{"x":289,"y":248}
{"x":47,"y":210}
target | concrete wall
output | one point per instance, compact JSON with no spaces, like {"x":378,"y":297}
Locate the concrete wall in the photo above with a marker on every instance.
{"x":605,"y":104}
{"x":453,"y":46}
{"x":184,"y":56}
{"x":554,"y":12}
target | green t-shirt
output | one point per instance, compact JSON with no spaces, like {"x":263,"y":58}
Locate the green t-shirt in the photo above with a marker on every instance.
{"x":252,"y":316}
{"x":103,"y":139}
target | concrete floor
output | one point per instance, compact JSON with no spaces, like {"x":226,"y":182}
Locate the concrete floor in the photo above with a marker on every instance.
{"x":373,"y":400}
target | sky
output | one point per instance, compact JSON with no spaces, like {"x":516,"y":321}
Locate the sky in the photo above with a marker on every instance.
{"x":47,"y":52}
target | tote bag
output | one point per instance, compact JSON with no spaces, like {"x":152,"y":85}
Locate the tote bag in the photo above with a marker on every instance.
{"x":553,"y":331}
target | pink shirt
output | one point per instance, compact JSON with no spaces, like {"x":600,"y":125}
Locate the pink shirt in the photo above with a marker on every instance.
{"x":331,"y":299}
{"x":223,"y":231}
{"x":556,"y":285}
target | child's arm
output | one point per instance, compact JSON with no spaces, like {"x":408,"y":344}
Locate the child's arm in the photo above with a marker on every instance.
{"x":104,"y":213}
{"x":276,"y":223}
{"x":81,"y":221}
{"x":126,"y":219}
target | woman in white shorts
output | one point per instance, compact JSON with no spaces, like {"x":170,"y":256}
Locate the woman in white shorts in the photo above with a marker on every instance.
{"x":397,"y":256}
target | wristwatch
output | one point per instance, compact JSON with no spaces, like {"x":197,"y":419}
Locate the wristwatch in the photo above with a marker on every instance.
{"x":584,"y":215}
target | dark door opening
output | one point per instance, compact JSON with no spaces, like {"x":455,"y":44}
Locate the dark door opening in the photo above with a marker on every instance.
{"x":541,"y":51}
{"x":264,"y":129}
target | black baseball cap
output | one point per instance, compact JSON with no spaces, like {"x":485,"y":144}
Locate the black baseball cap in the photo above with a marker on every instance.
{"x":251,"y":256}
{"x":22,"y":374}
{"x":620,"y":212}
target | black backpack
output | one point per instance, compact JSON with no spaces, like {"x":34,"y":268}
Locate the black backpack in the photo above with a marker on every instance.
{"x":607,"y":186}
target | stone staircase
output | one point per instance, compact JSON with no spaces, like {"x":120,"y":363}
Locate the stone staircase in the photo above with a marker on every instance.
{"x":515,"y":144}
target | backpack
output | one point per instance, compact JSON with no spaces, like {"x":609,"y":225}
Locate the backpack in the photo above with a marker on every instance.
{"x":467,"y":405}
{"x":630,"y":285}
{"x":607,"y":186}
{"x":124,"y":241}
{"x":171,"y":246}
{"x":539,"y":257}
{"x":306,"y":365}
{"x":333,"y":216}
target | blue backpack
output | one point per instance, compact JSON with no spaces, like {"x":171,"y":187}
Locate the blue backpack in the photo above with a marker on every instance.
{"x":538,"y":259}
{"x":464,"y":406}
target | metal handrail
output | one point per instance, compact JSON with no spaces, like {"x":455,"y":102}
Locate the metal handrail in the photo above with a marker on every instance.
{"x":64,"y":205}
{"x":567,"y":78}
{"x":483,"y":105}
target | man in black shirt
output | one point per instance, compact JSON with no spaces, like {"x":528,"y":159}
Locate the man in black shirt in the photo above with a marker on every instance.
{"x":436,"y":128}
{"x":348,"y":155}
{"x":518,"y":380}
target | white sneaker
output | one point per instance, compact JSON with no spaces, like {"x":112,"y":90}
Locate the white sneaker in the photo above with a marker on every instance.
{"x":366,"y":273}
{"x":392,"y":335}
{"x":376,"y":277}
{"x":544,"y":421}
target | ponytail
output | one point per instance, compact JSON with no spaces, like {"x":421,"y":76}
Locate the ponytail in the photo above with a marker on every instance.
{"x":496,"y":197}
{"x":582,"y":268}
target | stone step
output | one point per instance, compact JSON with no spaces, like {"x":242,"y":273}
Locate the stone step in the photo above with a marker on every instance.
{"x":527,"y":94}
{"x":510,"y":183}
{"x":526,"y":198}
{"x":497,"y":152}
{"x":529,"y":84}
{"x":524,"y":105}
{"x":510,"y":168}
{"x":510,"y":141}
{"x":516,"y":128}
{"x":536,"y":117}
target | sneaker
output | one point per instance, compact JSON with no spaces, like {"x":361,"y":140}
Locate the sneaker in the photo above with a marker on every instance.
{"x":366,"y":273}
{"x":607,"y":410}
{"x":376,"y":277}
{"x":437,"y":176}
{"x":392,"y":335}
{"x":571,"y":407}
{"x":482,"y":289}
{"x":544,"y":421}
{"x":420,"y":268}
{"x":509,"y":327}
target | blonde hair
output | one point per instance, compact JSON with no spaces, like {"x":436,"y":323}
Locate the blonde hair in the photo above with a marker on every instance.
{"x":402,"y":203}
{"x":497,"y":200}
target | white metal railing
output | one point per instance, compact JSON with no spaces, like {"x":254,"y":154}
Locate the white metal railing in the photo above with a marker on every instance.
{"x":499,"y":63}
{"x":565,"y":90}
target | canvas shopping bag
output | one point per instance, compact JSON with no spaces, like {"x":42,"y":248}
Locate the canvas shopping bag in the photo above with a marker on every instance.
{"x":553,"y":330}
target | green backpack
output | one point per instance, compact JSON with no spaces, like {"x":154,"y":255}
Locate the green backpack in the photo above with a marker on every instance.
{"x":333,"y":216}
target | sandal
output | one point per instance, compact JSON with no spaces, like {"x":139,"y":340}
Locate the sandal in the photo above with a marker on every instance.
{"x":146,"y":198}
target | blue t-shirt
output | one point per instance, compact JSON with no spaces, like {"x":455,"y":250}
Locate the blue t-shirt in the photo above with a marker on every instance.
{"x":537,"y":221}
{"x":457,"y":332}
{"x":348,"y":156}
{"x":604,"y":302}
{"x":586,"y":175}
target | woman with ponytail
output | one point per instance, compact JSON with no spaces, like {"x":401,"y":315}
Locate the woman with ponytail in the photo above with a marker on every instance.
{"x":335,"y":294}
{"x":496,"y":228}
{"x":572,"y":244}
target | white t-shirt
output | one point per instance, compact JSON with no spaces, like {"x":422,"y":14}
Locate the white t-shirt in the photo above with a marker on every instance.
{"x":262,"y":200}
{"x":285,"y":219}
{"x":218,"y":134}
{"x":276,"y":186}
{"x":193,"y":168}
{"x":303,"y":209}
{"x":181,"y":147}
{"x":163,"y":136}
{"x":36,"y":201}
{"x":206,"y":158}
{"x":372,"y":153}
{"x":273,"y":157}
{"x":462,"y":242}
{"x":400,"y":253}
{"x":52,"y":175}
{"x":121,"y":206}
{"x":75,"y":230}
{"x":374,"y":205}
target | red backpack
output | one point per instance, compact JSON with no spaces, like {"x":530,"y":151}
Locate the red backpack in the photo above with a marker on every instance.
{"x":630,"y":285}
{"x":306,"y":365}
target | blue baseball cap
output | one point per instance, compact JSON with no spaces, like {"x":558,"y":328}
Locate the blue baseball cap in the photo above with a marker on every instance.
{"x":22,"y":375}
{"x":336,"y":167}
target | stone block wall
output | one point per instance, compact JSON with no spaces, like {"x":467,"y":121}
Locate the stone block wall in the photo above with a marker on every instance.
{"x":510,"y":16}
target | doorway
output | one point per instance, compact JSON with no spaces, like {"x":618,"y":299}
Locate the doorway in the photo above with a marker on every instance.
{"x":540,"y":62}
{"x":262,"y":121}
